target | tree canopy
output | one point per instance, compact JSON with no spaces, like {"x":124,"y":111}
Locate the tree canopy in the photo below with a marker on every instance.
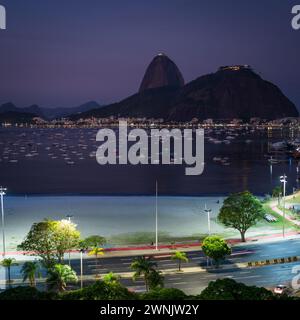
{"x":50,"y":239}
{"x":241,"y":211}
{"x":216,"y":248}
{"x":228,"y":289}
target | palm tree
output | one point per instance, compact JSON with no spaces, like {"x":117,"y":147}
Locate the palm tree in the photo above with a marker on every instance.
{"x":180,"y":257}
{"x":30,"y":270}
{"x":8,"y":263}
{"x":143,"y":267}
{"x":59,"y":276}
{"x":96,"y":251}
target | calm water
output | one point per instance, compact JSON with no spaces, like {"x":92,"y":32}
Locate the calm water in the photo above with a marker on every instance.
{"x":62,"y":161}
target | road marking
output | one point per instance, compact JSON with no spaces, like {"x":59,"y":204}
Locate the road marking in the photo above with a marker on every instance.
{"x":169,"y":264}
{"x":244,"y":272}
{"x":174,"y":279}
{"x":249,"y":277}
{"x":179,"y":283}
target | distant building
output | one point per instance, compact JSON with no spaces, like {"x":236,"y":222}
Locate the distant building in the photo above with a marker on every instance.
{"x":235,"y":68}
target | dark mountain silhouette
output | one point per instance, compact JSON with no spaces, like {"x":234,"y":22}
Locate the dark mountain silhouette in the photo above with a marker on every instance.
{"x":52,"y":113}
{"x":16,"y":117}
{"x":162,"y":72}
{"x":34,"y":109}
{"x":9,"y":106}
{"x":149,"y":103}
{"x":49,"y":113}
{"x":231,"y":92}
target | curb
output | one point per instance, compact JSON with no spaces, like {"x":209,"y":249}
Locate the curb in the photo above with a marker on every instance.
{"x":273,"y":261}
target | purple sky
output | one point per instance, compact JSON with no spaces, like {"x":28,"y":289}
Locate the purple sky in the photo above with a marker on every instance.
{"x":66,"y":52}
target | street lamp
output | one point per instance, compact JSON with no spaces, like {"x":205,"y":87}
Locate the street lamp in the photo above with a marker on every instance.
{"x":82,"y":251}
{"x":156,"y":216}
{"x":69,"y":216}
{"x":208,"y":211}
{"x":283,"y":180}
{"x":2,"y":194}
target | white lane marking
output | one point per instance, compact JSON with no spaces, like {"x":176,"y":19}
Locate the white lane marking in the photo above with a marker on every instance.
{"x":249,"y":277}
{"x":169,"y":264}
{"x":171,"y":279}
{"x":179,"y":283}
{"x":168,"y":260}
{"x":244,"y":272}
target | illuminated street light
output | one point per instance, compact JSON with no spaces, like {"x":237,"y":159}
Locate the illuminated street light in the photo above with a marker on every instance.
{"x":283,"y":180}
{"x":208,"y":211}
{"x":2,"y":194}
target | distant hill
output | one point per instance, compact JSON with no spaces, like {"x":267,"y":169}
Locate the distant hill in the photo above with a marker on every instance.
{"x":48,"y":113}
{"x":231,"y":92}
{"x":149,"y":103}
{"x":52,"y":113}
{"x":16,"y":117}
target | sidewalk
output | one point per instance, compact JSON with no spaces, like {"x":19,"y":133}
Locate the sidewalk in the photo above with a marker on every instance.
{"x":274,"y":207}
{"x":166,"y":249}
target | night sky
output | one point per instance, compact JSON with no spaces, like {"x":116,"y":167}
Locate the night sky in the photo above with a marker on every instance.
{"x":61,"y":53}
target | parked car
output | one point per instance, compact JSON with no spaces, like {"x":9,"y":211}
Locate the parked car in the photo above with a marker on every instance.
{"x":281,"y":289}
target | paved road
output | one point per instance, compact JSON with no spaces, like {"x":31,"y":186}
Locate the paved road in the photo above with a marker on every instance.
{"x":267,"y":276}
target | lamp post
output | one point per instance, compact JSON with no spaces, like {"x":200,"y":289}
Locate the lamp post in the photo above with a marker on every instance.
{"x":69,"y":218}
{"x":82,"y":251}
{"x":2,"y":194}
{"x":283,"y":180}
{"x":156,"y":217}
{"x":208,"y":211}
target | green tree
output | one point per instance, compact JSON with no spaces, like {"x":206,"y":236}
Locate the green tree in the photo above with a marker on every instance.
{"x":277,"y":193}
{"x":30,"y":270}
{"x":164,"y":294}
{"x":59,"y":276}
{"x":100,"y":290}
{"x":155,"y":279}
{"x":26,"y":293}
{"x":67,"y":237}
{"x":241,"y":211}
{"x":50,"y":240}
{"x":180,"y":257}
{"x":92,"y":242}
{"x":143,"y":267}
{"x":228,"y":289}
{"x":96,"y":251}
{"x":216,"y":248}
{"x":8,"y":263}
